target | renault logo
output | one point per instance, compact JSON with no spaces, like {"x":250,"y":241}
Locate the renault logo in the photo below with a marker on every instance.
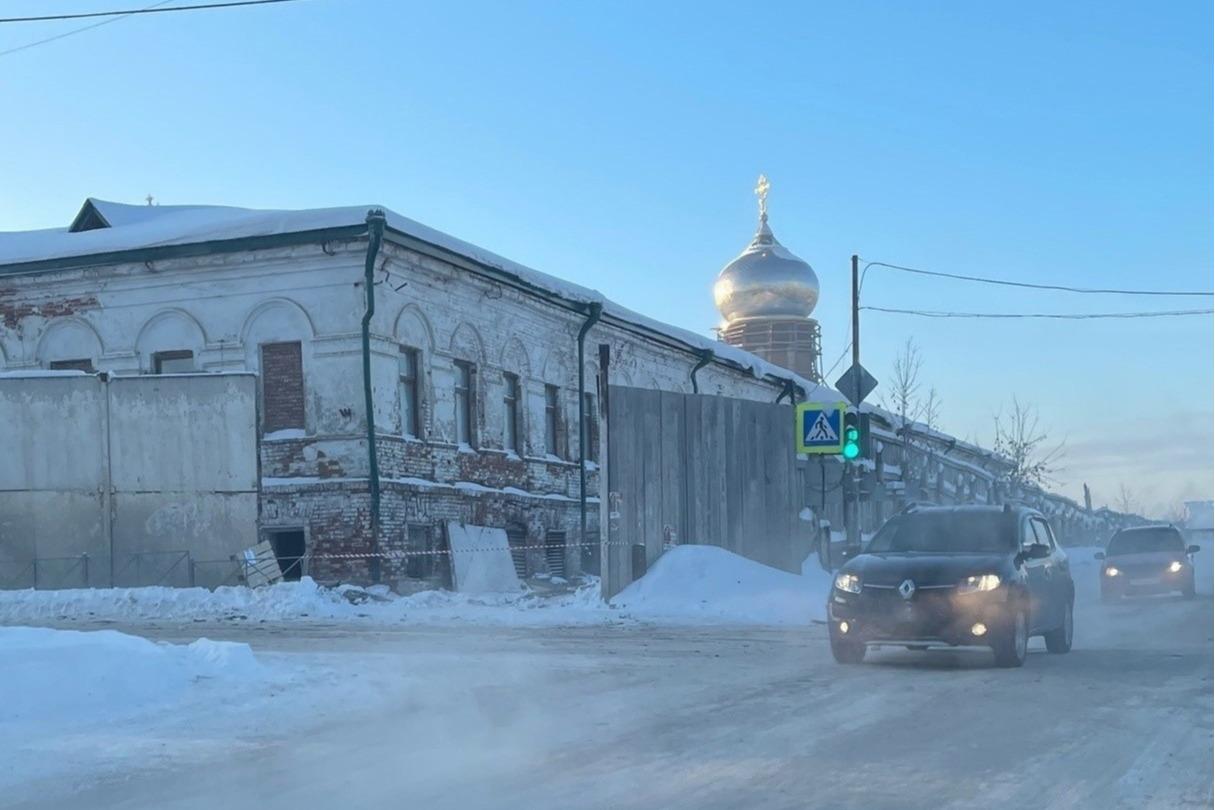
{"x":907,"y":589}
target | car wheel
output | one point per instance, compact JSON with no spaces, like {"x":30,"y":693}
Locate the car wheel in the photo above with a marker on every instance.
{"x":1010,"y":648}
{"x":1060,"y":640}
{"x":1188,"y":591}
{"x":847,"y":652}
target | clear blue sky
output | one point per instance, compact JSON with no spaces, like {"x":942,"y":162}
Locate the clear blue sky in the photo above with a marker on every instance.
{"x":616,"y":145}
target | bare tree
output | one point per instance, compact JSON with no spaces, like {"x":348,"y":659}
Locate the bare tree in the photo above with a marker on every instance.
{"x":1125,"y":501}
{"x":1021,"y":440}
{"x":1176,"y":514}
{"x":930,"y":410}
{"x":904,"y":387}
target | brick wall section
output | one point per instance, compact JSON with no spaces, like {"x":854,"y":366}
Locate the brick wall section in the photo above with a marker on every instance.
{"x":282,"y":386}
{"x":432,"y":461}
{"x":336,"y":520}
{"x":13,"y":310}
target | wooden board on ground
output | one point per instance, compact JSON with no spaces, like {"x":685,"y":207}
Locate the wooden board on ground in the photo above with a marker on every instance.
{"x":481,"y":560}
{"x":259,"y":565}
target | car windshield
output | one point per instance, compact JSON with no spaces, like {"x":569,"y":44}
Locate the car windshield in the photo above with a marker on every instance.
{"x":1140,"y":541}
{"x":945,"y":532}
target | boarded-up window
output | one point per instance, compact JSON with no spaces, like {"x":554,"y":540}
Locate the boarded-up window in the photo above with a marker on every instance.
{"x":282,"y":386}
{"x":420,"y":562}
{"x":510,"y":409}
{"x":464,"y":399}
{"x":175,"y":362}
{"x":516,"y":536}
{"x":72,"y":365}
{"x":411,"y":411}
{"x":554,"y":553}
{"x":552,"y":419}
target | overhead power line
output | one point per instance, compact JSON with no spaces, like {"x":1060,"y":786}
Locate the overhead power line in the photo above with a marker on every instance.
{"x":74,"y":31}
{"x":1056,"y":287}
{"x":1071,"y":316}
{"x":146,"y":10}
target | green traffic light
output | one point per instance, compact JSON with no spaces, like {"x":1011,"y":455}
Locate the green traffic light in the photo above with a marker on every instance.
{"x":852,"y":446}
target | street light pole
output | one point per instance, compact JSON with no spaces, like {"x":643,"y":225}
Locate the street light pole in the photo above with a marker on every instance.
{"x":852,"y":503}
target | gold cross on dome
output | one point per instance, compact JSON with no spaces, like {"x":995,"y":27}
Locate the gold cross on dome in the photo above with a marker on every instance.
{"x":761,"y":191}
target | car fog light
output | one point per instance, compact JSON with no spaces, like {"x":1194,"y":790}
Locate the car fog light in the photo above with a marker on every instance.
{"x":1174,"y":566}
{"x":1112,"y":571}
{"x":844,"y":628}
{"x":979,"y":629}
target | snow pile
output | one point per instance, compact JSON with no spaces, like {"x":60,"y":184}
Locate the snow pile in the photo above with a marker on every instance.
{"x":61,"y":676}
{"x":282,"y":601}
{"x":711,"y":584}
{"x":302,"y":600}
{"x":687,"y":584}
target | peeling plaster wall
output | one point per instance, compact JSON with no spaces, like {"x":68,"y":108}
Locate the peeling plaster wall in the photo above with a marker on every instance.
{"x":223,"y":307}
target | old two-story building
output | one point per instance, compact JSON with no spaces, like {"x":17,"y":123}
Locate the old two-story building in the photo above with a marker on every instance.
{"x":480,"y":410}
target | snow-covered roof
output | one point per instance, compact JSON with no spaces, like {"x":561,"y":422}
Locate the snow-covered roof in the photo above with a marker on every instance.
{"x":142,"y":227}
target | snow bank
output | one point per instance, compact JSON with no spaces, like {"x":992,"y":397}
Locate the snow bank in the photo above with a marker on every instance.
{"x":687,"y":584}
{"x":301,"y":600}
{"x":711,"y":584}
{"x":66,"y":676}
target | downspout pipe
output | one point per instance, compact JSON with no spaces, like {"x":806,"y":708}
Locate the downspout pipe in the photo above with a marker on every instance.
{"x":706,"y":356}
{"x":790,"y":391}
{"x":375,"y":236}
{"x":593,"y":312}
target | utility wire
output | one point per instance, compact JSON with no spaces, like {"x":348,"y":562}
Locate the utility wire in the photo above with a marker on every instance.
{"x":1071,"y":316}
{"x":79,"y":30}
{"x":1057,"y":287}
{"x":158,"y":9}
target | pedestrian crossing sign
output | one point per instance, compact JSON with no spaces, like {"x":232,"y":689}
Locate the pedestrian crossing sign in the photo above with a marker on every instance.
{"x":820,"y":427}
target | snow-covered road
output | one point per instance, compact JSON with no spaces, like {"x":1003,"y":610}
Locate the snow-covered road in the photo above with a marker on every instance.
{"x":639,"y":716}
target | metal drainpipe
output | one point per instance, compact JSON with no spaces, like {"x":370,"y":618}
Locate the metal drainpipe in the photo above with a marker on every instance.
{"x":375,"y":235}
{"x":593,"y":311}
{"x":706,"y":356}
{"x":787,"y":391}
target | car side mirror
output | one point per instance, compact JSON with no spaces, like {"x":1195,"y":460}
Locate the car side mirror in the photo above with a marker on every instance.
{"x":1193,"y":549}
{"x":1039,"y":551}
{"x":1100,"y":555}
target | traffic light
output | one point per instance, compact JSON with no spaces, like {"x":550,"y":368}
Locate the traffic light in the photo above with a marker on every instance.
{"x":856,"y":436}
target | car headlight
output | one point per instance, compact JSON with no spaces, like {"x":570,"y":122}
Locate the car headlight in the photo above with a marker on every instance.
{"x":979,"y":582}
{"x":1174,"y":566}
{"x":848,"y":582}
{"x":1112,"y":571}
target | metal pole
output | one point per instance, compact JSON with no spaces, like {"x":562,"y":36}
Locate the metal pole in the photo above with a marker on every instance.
{"x":852,"y":524}
{"x":856,"y":316}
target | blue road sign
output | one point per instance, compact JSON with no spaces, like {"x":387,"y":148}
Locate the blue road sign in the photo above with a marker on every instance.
{"x":820,"y":427}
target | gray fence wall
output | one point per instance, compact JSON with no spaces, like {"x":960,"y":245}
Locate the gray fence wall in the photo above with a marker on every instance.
{"x":690,"y":468}
{"x":129,"y":471}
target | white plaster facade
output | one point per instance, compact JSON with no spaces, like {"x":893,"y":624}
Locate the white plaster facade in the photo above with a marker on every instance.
{"x":223,"y":305}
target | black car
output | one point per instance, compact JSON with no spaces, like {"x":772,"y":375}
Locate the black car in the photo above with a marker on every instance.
{"x":1147,"y":559}
{"x":970,"y":575}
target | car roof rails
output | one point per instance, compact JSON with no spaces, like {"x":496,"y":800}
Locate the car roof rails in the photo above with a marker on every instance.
{"x":909,"y":508}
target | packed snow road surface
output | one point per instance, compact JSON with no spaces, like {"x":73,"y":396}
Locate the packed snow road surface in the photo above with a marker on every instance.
{"x":636,"y":715}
